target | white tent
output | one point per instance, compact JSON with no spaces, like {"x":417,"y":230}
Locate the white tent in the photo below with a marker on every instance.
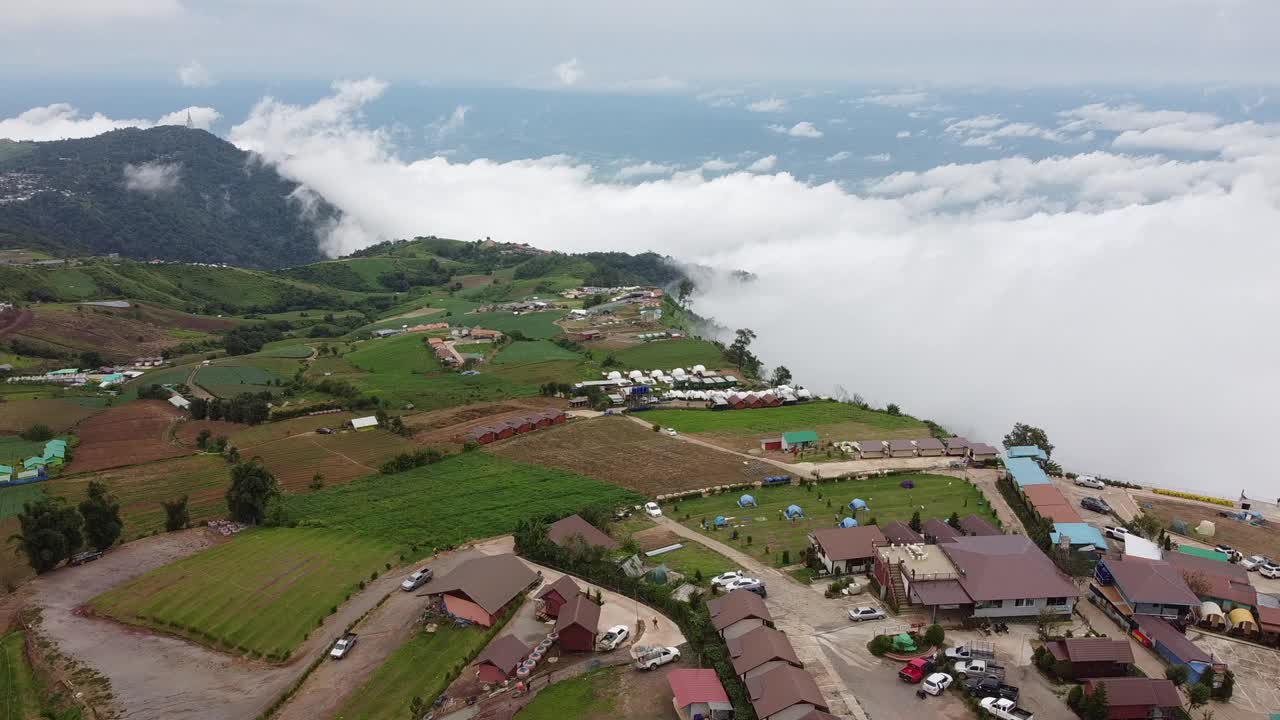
{"x":1137,"y":546}
{"x":1211,"y":614}
{"x":364,"y":422}
{"x":1206,"y":528}
{"x":615,"y":375}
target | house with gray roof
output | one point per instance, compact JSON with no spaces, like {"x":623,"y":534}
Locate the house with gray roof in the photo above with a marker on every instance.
{"x":1008,"y":576}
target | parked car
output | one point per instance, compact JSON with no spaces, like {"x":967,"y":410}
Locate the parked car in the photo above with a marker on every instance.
{"x":1096,"y":504}
{"x":985,"y":687}
{"x":1225,"y":550}
{"x":615,"y":636}
{"x":1270,"y":570}
{"x":1090,"y":482}
{"x":417,"y":580}
{"x":971,"y":651}
{"x":670,"y":431}
{"x":725,"y":578}
{"x":750,"y":584}
{"x":1004,"y":709}
{"x":656,"y":657}
{"x":936,"y":683}
{"x":859,"y":614}
{"x":1253,"y":562}
{"x":343,"y":646}
{"x":916,"y":670}
{"x":1115,"y":532}
{"x":652,"y":509}
{"x":979,"y":668}
{"x":81,"y":558}
{"x":324,"y":431}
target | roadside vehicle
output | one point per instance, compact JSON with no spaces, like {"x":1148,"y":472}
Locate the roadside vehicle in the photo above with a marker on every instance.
{"x":1115,"y":532}
{"x":1090,"y":482}
{"x":749,"y":584}
{"x":936,"y":683}
{"x":1253,"y":562}
{"x":670,"y":431}
{"x":324,"y":431}
{"x":652,"y":509}
{"x":971,"y":651}
{"x":87,"y":556}
{"x":343,"y":646}
{"x":417,"y":580}
{"x":859,"y":614}
{"x":917,"y":670}
{"x":1225,"y":550}
{"x":1004,"y":709}
{"x":616,"y":635}
{"x":979,"y":668}
{"x":985,"y":687}
{"x":1095,"y":504}
{"x":1270,"y":570}
{"x":656,"y":657}
{"x":725,"y":578}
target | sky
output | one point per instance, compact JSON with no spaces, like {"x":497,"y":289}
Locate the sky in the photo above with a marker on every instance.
{"x":1090,"y":249}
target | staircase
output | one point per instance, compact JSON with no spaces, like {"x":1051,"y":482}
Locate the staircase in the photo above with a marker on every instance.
{"x":897,"y":591}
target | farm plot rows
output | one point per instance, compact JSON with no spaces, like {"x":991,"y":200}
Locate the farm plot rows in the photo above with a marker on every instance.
{"x":517,"y":353}
{"x":227,"y":381}
{"x":258,"y":434}
{"x":419,"y":668}
{"x":59,"y":415}
{"x":126,"y":435}
{"x":339,"y":458}
{"x":188,"y":430}
{"x":21,"y":694}
{"x":260,"y":594}
{"x":13,"y":498}
{"x":624,"y":453}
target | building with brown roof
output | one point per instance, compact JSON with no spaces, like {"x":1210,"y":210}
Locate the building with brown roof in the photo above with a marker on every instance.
{"x":956,"y":446}
{"x":974,"y":525}
{"x":565,"y":530}
{"x":698,"y":693}
{"x":847,"y":550}
{"x":1137,"y":698}
{"x":760,"y":650}
{"x":1092,"y":657}
{"x":870,"y":449}
{"x":937,"y":531}
{"x":902,"y":448}
{"x":479,"y":589}
{"x":555,"y":595}
{"x":498,"y":662}
{"x":982,"y":452}
{"x":785,"y":693}
{"x":1226,"y":584}
{"x":577,"y":624}
{"x":900,"y":533}
{"x":1146,"y":587}
{"x":1008,"y":576}
{"x":929,"y":447}
{"x":737,"y":613}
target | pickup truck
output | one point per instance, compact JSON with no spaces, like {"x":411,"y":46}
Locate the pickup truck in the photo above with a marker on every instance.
{"x":972,"y":651}
{"x":343,"y":646}
{"x":985,"y":687}
{"x":1004,"y":709}
{"x":916,"y":670}
{"x":979,"y":668}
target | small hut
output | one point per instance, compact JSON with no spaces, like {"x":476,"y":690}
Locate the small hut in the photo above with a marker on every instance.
{"x":1211,"y":616}
{"x":1242,"y":620}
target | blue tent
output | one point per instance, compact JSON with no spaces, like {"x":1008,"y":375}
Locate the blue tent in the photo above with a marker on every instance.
{"x":746,"y":501}
{"x":907,"y":484}
{"x":858,"y":504}
{"x":721,"y":521}
{"x":848,"y":523}
{"x":794,"y":511}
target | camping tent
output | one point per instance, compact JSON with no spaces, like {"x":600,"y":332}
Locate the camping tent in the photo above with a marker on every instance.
{"x":848,"y":523}
{"x":902,"y":642}
{"x":1211,"y":615}
{"x":858,"y":504}
{"x":907,"y":484}
{"x":794,"y":512}
{"x":1206,"y":528}
{"x":1242,"y":619}
{"x":746,"y":501}
{"x":721,"y":521}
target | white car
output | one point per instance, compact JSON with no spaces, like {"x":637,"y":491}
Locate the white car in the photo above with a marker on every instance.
{"x":652,"y":509}
{"x":616,"y":635}
{"x":727,"y":577}
{"x":416,"y":580}
{"x":859,"y":614}
{"x":655,"y":657}
{"x":1090,"y":482}
{"x":670,"y":431}
{"x":1115,"y":532}
{"x":343,"y":646}
{"x":1253,"y":562}
{"x":936,"y":683}
{"x":742,"y":582}
{"x":1270,"y":570}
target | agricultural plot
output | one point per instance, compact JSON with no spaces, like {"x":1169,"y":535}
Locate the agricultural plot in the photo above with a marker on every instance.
{"x":669,"y":354}
{"x":396,"y":354}
{"x":538,"y":325}
{"x":339,"y":458}
{"x":260,"y":594}
{"x":13,"y":498}
{"x":468,"y":496}
{"x":763,"y":527}
{"x":141,"y":488}
{"x":13,"y":447}
{"x":21,"y":695}
{"x":518,"y":353}
{"x":126,"y":435}
{"x":116,"y":333}
{"x":227,"y":381}
{"x":441,"y":389}
{"x":625,"y":453}
{"x":188,"y":430}
{"x":296,"y":352}
{"x":418,"y":668}
{"x":59,"y":415}
{"x":256,"y":435}
{"x":1240,"y":535}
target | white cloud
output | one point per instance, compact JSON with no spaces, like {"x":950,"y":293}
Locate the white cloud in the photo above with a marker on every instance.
{"x":986,"y":130}
{"x":764,"y":164}
{"x":62,"y":12}
{"x":839,"y":157}
{"x":645,"y":169}
{"x":716,"y":165}
{"x":803,"y":129}
{"x":1071,"y":262}
{"x":903,"y":134}
{"x":898,"y":100}
{"x":447,"y":125}
{"x":569,"y":72}
{"x":878,"y":158}
{"x":720,"y":97}
{"x":195,"y":75}
{"x":62,"y":121}
{"x":152,"y":178}
{"x":771,"y":105}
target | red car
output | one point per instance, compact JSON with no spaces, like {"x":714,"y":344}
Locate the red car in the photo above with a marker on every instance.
{"x":916,"y":670}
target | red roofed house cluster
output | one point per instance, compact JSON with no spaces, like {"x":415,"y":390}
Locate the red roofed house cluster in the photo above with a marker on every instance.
{"x":506,"y":428}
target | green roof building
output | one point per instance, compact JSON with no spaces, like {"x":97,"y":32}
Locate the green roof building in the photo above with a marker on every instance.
{"x":799,"y":439}
{"x":1202,"y":553}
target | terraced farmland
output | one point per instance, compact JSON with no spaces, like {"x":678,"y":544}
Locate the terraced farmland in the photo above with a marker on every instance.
{"x":141,"y":489}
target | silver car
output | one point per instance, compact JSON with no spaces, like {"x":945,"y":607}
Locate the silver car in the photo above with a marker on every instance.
{"x":859,"y":614}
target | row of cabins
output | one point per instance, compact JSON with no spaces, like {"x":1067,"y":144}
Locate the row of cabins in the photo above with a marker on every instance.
{"x":444,"y":352}
{"x":751,"y":400}
{"x":1100,"y":662}
{"x":34,"y":467}
{"x":1023,"y":465}
{"x":516,"y":426}
{"x":926,"y":447}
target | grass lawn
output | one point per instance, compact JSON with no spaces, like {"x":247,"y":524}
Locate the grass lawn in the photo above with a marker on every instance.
{"x":589,"y":695}
{"x":262,"y":593}
{"x":13,"y":498}
{"x":539,"y":325}
{"x":418,"y":668}
{"x":13,"y":447}
{"x":531,"y":352}
{"x":21,"y":695}
{"x":832,"y":420}
{"x":691,"y":559}
{"x":296,"y":352}
{"x":669,"y":354}
{"x":939,"y":496}
{"x":18,"y":415}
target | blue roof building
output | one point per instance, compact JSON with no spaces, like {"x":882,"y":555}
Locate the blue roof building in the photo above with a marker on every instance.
{"x":1079,"y":534}
{"x":1025,"y":471}
{"x":1030,"y":451}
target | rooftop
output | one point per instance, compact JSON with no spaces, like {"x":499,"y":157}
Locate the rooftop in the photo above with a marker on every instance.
{"x":849,"y":543}
{"x":1095,"y":649}
{"x":1079,"y":534}
{"x":901,"y":445}
{"x":900,"y":533}
{"x":580,"y":610}
{"x":1151,"y":581}
{"x":491,"y":581}
{"x":561,"y":531}
{"x":1026,"y":471}
{"x":1005,"y":567}
{"x":696,"y":686}
{"x":800,"y":436}
{"x":929,"y":562}
{"x":759,"y":646}
{"x":1166,"y":634}
{"x":938,"y":530}
{"x":983,"y":449}
{"x":737,"y":605}
{"x":928,"y":444}
{"x":565,"y":587}
{"x":782,"y":687}
{"x":1030,"y":451}
{"x":505,"y":653}
{"x":1135,"y":691}
{"x":974,"y":525}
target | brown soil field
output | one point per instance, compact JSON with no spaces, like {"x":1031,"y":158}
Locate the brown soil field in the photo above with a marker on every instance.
{"x":440,"y":427}
{"x":340,"y":458}
{"x":187,"y":430}
{"x":126,"y":435}
{"x":1244,"y":537}
{"x":474,"y":281}
{"x":616,"y":450}
{"x":116,"y":333}
{"x":12,"y":322}
{"x":18,"y":415}
{"x":420,"y":312}
{"x":267,"y":432}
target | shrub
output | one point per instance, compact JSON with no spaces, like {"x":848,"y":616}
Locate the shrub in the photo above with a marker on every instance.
{"x":1227,"y":688}
{"x":786,"y":557}
{"x":37,"y":433}
{"x":1074,"y":696}
{"x":880,"y":645}
{"x":1177,"y":674}
{"x":1199,"y":694}
{"x":935,"y":635}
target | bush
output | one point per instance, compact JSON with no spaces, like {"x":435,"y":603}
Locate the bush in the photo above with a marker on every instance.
{"x":880,"y":645}
{"x":935,"y":635}
{"x":1199,"y":694}
{"x":1074,"y":696}
{"x":37,"y":433}
{"x":1177,"y":674}
{"x":786,"y":557}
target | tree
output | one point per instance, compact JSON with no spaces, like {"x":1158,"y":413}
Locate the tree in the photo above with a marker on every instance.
{"x":1074,"y":696}
{"x":915,"y":521}
{"x":91,"y":359}
{"x":252,"y":488}
{"x":1200,"y":694}
{"x":739,"y":354}
{"x":101,"y":513}
{"x":1224,"y":691}
{"x":176,"y":516}
{"x":935,"y":635}
{"x":893,"y":409}
{"x":50,"y":532}
{"x":317,"y":481}
{"x":1096,"y":706}
{"x":781,"y":375}
{"x":1146,"y":525}
{"x":202,"y":439}
{"x":1023,"y":434}
{"x":685,"y":290}
{"x":954,"y":520}
{"x":199,"y":408}
{"x":38,"y":432}
{"x":1197,"y":582}
{"x":1176,"y":674}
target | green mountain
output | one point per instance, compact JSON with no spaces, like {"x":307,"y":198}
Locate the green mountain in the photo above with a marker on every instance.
{"x":170,"y":193}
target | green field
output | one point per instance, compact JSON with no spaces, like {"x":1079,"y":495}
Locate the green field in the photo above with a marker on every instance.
{"x":832,"y":420}
{"x":226,"y":381}
{"x":296,"y":352}
{"x":21,"y":696}
{"x":397,"y":354}
{"x":260,"y":594}
{"x":691,"y":559}
{"x":468,"y":496}
{"x":540,"y":325}
{"x":935,"y":496}
{"x":13,"y":498}
{"x":13,"y":447}
{"x":669,"y":354}
{"x":418,"y":668}
{"x":519,"y":353}
{"x":590,"y":695}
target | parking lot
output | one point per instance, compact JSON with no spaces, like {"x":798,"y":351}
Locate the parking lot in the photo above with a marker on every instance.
{"x":1256,"y":690}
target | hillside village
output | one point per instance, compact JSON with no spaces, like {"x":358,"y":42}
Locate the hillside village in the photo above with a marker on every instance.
{"x":482,"y":480}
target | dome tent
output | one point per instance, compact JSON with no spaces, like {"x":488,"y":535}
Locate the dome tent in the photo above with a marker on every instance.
{"x":1242,"y":619}
{"x":794,"y":512}
{"x":1206,"y":528}
{"x":848,"y":523}
{"x":858,"y":504}
{"x":659,"y":575}
{"x":721,"y":521}
{"x":746,"y":501}
{"x":1211,"y":614}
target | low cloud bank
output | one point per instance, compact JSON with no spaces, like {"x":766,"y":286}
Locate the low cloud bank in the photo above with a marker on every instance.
{"x":62,"y":121}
